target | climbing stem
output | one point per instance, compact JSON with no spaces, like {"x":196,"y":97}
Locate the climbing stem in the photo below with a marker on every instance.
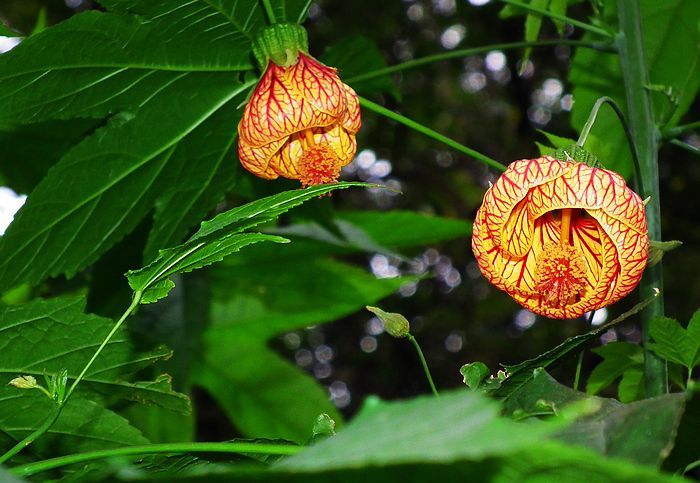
{"x":45,"y":426}
{"x":625,"y":126}
{"x":562,"y":18}
{"x":424,"y":363}
{"x":367,"y":104}
{"x":643,"y":131}
{"x":234,"y":447}
{"x":461,"y":53}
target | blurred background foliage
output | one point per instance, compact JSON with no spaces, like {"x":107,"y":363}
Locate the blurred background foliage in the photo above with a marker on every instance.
{"x":482,"y":102}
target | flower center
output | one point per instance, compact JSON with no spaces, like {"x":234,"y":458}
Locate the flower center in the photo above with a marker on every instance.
{"x":319,"y":164}
{"x":560,"y":274}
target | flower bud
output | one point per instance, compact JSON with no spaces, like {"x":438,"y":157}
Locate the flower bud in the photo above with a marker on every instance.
{"x":395,"y":324}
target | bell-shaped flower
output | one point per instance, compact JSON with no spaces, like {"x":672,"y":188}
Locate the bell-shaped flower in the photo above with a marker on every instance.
{"x":300,"y":123}
{"x":562,"y":238}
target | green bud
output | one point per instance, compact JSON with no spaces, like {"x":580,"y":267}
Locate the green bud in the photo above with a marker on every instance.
{"x":281,"y":44}
{"x":395,"y":324}
{"x":24,"y":382}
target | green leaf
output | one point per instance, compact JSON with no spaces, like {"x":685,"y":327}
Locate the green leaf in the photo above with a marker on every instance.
{"x":353,"y":57}
{"x":84,"y":425}
{"x":222,"y":236}
{"x":674,"y":343}
{"x":474,"y":373}
{"x":668,"y":35}
{"x":46,"y":336}
{"x":520,"y":374}
{"x":202,"y":168}
{"x":533,"y":23}
{"x":457,"y":426}
{"x":618,"y":358}
{"x":631,"y":387}
{"x":263,"y":395}
{"x":115,"y":175}
{"x":641,"y":432}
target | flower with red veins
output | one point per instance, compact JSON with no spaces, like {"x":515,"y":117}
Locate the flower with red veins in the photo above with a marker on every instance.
{"x":560,"y":237}
{"x":300,"y":123}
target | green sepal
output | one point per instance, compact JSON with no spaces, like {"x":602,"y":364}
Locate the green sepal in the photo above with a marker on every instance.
{"x":577,"y":154}
{"x":281,"y":44}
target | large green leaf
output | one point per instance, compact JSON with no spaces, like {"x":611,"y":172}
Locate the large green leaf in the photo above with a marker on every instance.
{"x":670,"y":34}
{"x":84,"y":425}
{"x":457,"y":426}
{"x":101,"y":188}
{"x":674,"y":343}
{"x":642,"y":432}
{"x":46,"y":336}
{"x":264,"y":395}
{"x":618,"y":358}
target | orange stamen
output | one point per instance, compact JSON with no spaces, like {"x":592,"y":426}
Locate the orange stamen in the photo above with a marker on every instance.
{"x":560,"y":274}
{"x":319,"y":164}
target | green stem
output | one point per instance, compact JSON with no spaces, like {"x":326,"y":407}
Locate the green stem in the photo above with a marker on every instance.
{"x":688,"y":147}
{"x":134,"y":303}
{"x":628,"y":133}
{"x":642,"y":126}
{"x":256,"y":448}
{"x":579,"y":364}
{"x":682,"y":129}
{"x":62,"y":402}
{"x":55,"y":413}
{"x":458,"y":54}
{"x":424,"y":363}
{"x":366,"y":103}
{"x":269,"y":12}
{"x":561,"y":18}
{"x":304,"y":11}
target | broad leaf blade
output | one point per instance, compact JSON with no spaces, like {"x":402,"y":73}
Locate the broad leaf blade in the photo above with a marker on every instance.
{"x":101,"y":188}
{"x":46,"y":336}
{"x":671,"y":341}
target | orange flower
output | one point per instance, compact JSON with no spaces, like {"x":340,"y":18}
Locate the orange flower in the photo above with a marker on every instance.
{"x":300,"y":123}
{"x":561,"y":238}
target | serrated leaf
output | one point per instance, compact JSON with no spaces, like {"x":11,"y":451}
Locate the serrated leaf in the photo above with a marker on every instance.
{"x":102,"y":187}
{"x":46,"y":336}
{"x":222,"y":236}
{"x":474,"y":373}
{"x":618,"y":358}
{"x":533,"y":23}
{"x":84,"y":425}
{"x":520,"y":374}
{"x":674,"y":343}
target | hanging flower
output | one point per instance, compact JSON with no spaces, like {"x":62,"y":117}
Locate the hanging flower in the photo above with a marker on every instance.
{"x":301,"y":120}
{"x":562,"y":238}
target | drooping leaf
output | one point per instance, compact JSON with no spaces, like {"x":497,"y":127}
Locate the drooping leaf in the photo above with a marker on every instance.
{"x":263,"y":395}
{"x":641,"y":432}
{"x":222,"y":236}
{"x":46,"y":336}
